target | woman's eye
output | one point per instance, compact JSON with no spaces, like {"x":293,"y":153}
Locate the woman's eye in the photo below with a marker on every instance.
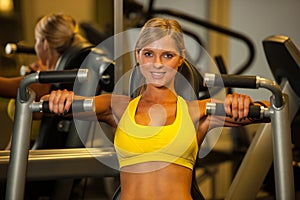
{"x":168,"y":55}
{"x":148,"y":54}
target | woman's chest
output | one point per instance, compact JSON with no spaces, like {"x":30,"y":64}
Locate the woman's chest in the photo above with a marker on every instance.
{"x":155,"y":114}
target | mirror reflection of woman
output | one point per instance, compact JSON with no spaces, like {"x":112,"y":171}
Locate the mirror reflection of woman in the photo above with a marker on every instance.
{"x":55,"y":33}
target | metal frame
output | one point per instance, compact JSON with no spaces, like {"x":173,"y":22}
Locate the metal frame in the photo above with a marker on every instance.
{"x":245,"y":185}
{"x":40,"y":163}
{"x":258,"y":159}
{"x":19,"y":154}
{"x":259,"y":156}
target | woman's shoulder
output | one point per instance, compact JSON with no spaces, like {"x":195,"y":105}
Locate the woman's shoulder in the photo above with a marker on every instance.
{"x":118,"y":103}
{"x":114,"y":100}
{"x":197,"y":103}
{"x":197,"y":108}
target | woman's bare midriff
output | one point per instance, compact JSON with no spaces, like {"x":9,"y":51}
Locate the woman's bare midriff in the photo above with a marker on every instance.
{"x":156,"y":180}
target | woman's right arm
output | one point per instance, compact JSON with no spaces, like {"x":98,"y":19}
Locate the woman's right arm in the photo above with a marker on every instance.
{"x":9,"y":86}
{"x":60,"y":102}
{"x":108,"y":107}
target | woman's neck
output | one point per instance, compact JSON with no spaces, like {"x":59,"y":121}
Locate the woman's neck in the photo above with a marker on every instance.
{"x":53,"y":59}
{"x":159,"y":95}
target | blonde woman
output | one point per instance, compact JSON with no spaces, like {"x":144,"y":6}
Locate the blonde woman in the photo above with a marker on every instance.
{"x":55,"y":34}
{"x":158,"y":133}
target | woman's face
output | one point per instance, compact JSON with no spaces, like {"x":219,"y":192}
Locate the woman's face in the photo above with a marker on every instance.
{"x":41,"y":50}
{"x":159,"y":62}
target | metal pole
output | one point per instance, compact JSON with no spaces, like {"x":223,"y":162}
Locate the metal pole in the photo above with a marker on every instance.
{"x":16,"y":177}
{"x":259,"y":156}
{"x":254,"y":166}
{"x":118,"y":38}
{"x":282,"y":151}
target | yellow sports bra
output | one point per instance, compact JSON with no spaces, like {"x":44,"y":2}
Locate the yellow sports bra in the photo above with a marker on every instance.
{"x":174,"y":143}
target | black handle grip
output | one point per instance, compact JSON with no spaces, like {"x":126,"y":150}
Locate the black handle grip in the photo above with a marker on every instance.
{"x":85,"y":105}
{"x":11,"y":48}
{"x":62,"y":76}
{"x":255,"y":112}
{"x":236,"y":81}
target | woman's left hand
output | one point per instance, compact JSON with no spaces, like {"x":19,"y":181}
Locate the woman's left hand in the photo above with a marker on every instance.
{"x":237,"y":106}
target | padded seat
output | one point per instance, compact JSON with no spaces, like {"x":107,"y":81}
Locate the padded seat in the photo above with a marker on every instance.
{"x":188,"y":84}
{"x":284,"y":60}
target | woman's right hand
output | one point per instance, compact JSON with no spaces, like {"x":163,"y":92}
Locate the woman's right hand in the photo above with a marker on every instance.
{"x":60,"y":101}
{"x":38,"y":66}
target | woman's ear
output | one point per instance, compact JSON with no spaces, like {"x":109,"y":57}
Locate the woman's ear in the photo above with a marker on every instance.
{"x":45,"y":45}
{"x":136,"y":54}
{"x":183,"y":56}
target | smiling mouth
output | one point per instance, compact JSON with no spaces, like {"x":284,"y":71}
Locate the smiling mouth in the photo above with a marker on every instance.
{"x":157,"y":75}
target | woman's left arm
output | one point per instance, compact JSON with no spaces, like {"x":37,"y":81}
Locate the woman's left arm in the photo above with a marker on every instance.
{"x":237,"y":109}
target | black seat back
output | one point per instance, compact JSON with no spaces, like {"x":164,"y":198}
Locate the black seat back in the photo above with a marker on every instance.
{"x":72,"y":59}
{"x":284,"y":60}
{"x":188,"y":83}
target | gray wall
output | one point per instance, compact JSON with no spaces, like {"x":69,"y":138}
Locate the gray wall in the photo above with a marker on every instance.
{"x":260,"y":19}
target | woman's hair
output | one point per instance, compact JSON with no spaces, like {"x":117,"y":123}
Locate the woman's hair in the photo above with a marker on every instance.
{"x":60,"y":30}
{"x":155,"y":29}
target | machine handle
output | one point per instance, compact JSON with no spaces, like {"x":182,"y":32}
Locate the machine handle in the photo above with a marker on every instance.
{"x":255,"y":112}
{"x":63,"y":76}
{"x":84,"y":105}
{"x":12,"y":48}
{"x":237,"y":81}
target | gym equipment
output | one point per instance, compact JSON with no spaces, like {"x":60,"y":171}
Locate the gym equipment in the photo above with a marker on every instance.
{"x":11,"y":48}
{"x":54,"y":164}
{"x":22,"y":126}
{"x":25,"y":105}
{"x":279,"y":115}
{"x":256,"y":157}
{"x":283,"y":57}
{"x":56,"y":132}
{"x":284,"y":60}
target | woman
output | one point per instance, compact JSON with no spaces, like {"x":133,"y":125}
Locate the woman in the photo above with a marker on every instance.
{"x":55,"y":33}
{"x":157,"y":133}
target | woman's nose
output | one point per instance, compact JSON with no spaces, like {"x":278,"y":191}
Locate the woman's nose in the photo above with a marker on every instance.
{"x":158,"y":63}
